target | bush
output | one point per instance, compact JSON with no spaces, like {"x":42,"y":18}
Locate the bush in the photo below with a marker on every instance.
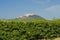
{"x":31,"y":30}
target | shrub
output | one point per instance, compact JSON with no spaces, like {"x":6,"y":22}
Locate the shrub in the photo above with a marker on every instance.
{"x":31,"y":30}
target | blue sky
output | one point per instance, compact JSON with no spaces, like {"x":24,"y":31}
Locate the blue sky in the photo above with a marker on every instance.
{"x":15,"y":8}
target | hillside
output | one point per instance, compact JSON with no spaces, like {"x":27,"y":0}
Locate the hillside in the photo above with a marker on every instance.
{"x":30,"y":17}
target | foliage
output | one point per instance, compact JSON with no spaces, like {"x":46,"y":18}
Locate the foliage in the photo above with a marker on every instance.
{"x":31,"y":30}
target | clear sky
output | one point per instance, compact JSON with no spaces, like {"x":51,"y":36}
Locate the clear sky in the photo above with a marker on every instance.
{"x":15,"y":8}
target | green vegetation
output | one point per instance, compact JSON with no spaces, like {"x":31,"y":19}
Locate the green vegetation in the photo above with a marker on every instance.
{"x":31,"y":30}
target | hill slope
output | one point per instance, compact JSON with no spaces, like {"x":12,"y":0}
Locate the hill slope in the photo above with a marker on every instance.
{"x":30,"y":17}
